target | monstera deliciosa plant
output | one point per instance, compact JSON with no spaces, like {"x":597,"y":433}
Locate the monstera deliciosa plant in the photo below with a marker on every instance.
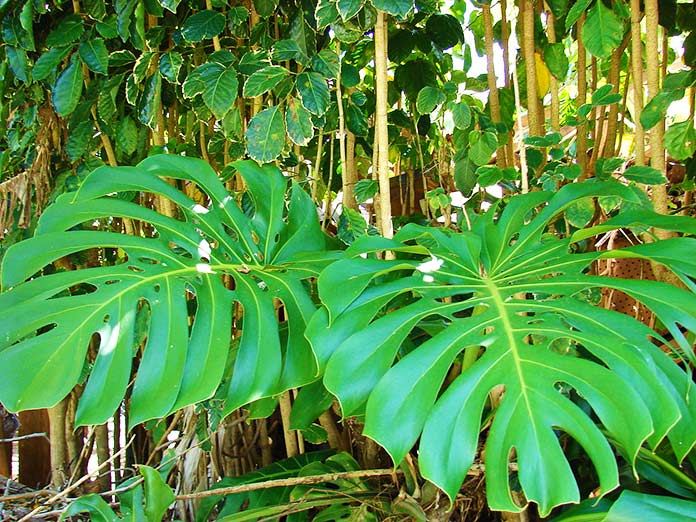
{"x":46,"y":331}
{"x":494,"y":328}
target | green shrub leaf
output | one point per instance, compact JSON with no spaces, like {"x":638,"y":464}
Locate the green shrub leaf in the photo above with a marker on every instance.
{"x":314,"y":92}
{"x":266,"y":135}
{"x":68,"y":89}
{"x":203,"y":25}
{"x":265,"y":79}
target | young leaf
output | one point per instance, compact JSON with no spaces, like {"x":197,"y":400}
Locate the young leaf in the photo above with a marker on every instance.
{"x":220,"y":91}
{"x":349,"y":8}
{"x":576,"y":12}
{"x":326,"y":13}
{"x":98,"y":509}
{"x":365,"y":189}
{"x":80,"y":136}
{"x":158,"y":495}
{"x":428,"y":99}
{"x":170,"y":64}
{"x":69,"y":30}
{"x":265,"y":135}
{"x":151,"y":100}
{"x":444,"y":30}
{"x":68,"y":89}
{"x":398,"y":8}
{"x":326,"y":62}
{"x":556,"y":60}
{"x":19,"y":62}
{"x":461,"y":113}
{"x":127,"y":135}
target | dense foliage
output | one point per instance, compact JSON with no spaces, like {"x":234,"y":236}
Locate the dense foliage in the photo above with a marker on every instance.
{"x":193,"y":270}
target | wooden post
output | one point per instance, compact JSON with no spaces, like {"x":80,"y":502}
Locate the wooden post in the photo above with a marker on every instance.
{"x":34,"y":453}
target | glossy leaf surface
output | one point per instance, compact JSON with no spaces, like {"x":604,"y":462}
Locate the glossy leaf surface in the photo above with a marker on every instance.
{"x":159,"y":281}
{"x":511,"y":294}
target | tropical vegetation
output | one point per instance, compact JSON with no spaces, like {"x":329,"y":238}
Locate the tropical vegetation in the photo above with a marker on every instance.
{"x":351,"y":260}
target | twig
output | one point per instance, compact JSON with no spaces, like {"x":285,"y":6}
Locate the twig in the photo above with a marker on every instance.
{"x":24,"y":437}
{"x":292,"y":481}
{"x":30,"y":494}
{"x":2,"y":504}
{"x":84,"y":479}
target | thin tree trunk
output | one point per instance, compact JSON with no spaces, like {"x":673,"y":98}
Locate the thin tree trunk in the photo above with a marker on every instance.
{"x":102,"y":440}
{"x":553,"y":81}
{"x":637,"y":70}
{"x":350,"y":174}
{"x":381,"y":134}
{"x":612,"y":120}
{"x":657,"y":145}
{"x":581,"y":146}
{"x":493,"y":99}
{"x":527,"y":19}
{"x":59,"y":455}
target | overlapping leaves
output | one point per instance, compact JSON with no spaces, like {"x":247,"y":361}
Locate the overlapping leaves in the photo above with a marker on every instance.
{"x":508,"y":302}
{"x":161,"y":282}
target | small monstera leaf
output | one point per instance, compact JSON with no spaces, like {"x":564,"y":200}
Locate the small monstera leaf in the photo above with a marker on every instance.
{"x":172,"y":282}
{"x":508,"y":303}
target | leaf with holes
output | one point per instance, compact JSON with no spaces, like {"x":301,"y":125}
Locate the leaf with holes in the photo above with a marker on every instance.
{"x":499,"y":296}
{"x":51,"y":320}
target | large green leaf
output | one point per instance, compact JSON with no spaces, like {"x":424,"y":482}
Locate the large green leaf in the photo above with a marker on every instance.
{"x":159,"y":280}
{"x":507,"y":296}
{"x":633,"y":506}
{"x":603,"y":30}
